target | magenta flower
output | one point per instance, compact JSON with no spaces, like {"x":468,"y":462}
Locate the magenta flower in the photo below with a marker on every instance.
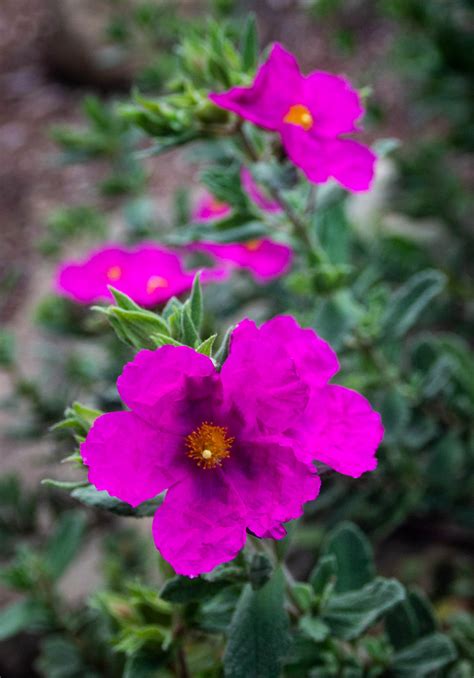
{"x":264,"y":258}
{"x":149,"y":274}
{"x":209,"y":208}
{"x":232,"y":448}
{"x":256,"y":194}
{"x":311,"y":113}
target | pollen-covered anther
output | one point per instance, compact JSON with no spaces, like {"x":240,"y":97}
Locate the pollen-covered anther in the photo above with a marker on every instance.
{"x":253,"y":245}
{"x":299,"y":115}
{"x":114,"y":273}
{"x":208,"y":445}
{"x":155,"y":282}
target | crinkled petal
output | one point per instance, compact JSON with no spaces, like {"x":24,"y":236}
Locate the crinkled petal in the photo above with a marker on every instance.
{"x":334,"y":105}
{"x":347,"y":161}
{"x":268,"y":99}
{"x":200,"y":524}
{"x":129,"y":459}
{"x":157,"y":384}
{"x":315,"y":360}
{"x":271,"y":482}
{"x":260,"y":378}
{"x":339,"y":429}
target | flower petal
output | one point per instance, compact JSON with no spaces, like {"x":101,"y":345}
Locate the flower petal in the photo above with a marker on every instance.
{"x":264,"y":258}
{"x":129,"y":459}
{"x":315,"y":360}
{"x":260,"y":378}
{"x":257,"y":194}
{"x":156,"y":384}
{"x":334,"y":105}
{"x":347,"y":161}
{"x":271,"y":482}
{"x":267,"y":100}
{"x":340,"y":429}
{"x":200,"y":524}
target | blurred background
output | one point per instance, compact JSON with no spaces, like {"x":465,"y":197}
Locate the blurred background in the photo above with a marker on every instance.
{"x":62,"y":63}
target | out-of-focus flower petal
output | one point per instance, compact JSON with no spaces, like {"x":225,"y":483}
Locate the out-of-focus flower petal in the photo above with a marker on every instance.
{"x":267,"y":100}
{"x":334,"y":105}
{"x":256,"y":194}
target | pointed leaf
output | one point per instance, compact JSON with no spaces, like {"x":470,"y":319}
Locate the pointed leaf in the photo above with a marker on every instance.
{"x":258,"y":633}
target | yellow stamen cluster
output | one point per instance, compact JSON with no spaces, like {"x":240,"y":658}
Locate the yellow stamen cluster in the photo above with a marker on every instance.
{"x":114,"y":273}
{"x":253,"y":245}
{"x":208,"y":445}
{"x":299,"y":115}
{"x":216,"y":205}
{"x":154,"y":282}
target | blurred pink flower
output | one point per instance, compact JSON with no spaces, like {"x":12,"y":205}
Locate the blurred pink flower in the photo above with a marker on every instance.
{"x":256,"y":194}
{"x":264,"y":258}
{"x":311,"y":113}
{"x":209,"y":208}
{"x":149,"y":274}
{"x":233,"y":448}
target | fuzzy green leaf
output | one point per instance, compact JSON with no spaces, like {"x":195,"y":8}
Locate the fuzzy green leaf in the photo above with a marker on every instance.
{"x":258,"y":633}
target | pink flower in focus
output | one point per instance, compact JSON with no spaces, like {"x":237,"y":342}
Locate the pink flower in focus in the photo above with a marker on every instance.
{"x":264,"y":258}
{"x":209,"y":208}
{"x":256,"y":194}
{"x":311,"y":113}
{"x":149,"y":274}
{"x":232,"y":448}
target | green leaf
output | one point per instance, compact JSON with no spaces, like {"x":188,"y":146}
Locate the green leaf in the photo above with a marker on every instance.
{"x":65,"y":542}
{"x":425,"y":657}
{"x":23,"y":615}
{"x":408,"y":303}
{"x":64,"y":484}
{"x":61,"y":658}
{"x":260,"y":570}
{"x":92,"y":497}
{"x":138,"y":326}
{"x":409,"y":621}
{"x":350,"y":614}
{"x":124,"y":301}
{"x":143,"y":665}
{"x":249,"y":44}
{"x":196,"y":303}
{"x":303,"y":595}
{"x":206,"y":346}
{"x":258,"y":633}
{"x":324,"y":572}
{"x":189,"y":334}
{"x":354,"y":556}
{"x":186,"y":590}
{"x":313,"y":628}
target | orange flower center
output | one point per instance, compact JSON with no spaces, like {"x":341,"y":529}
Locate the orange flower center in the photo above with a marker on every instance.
{"x":253,"y":245}
{"x":114,"y":273}
{"x":299,"y":115}
{"x":154,"y":282}
{"x":209,"y":445}
{"x":216,"y":205}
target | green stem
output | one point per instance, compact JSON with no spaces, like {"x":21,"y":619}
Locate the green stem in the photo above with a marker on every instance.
{"x":313,"y":251}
